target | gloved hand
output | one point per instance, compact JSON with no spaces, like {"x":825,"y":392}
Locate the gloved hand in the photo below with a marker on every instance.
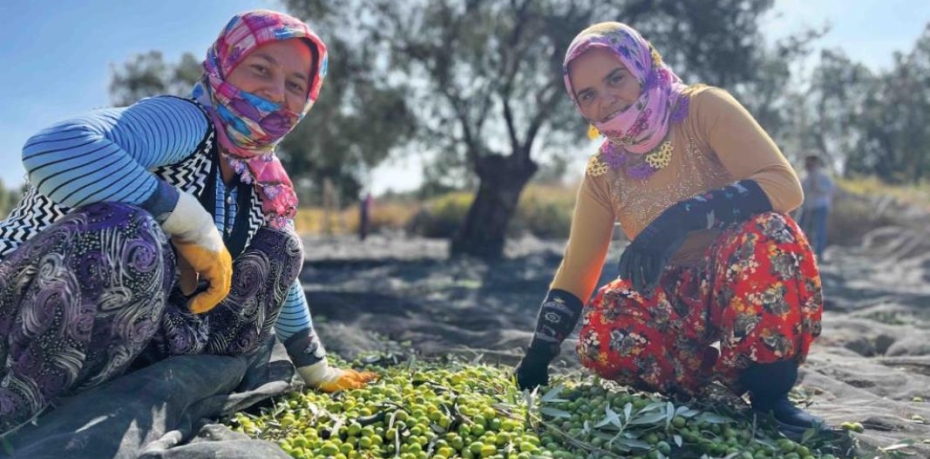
{"x":558,"y":315}
{"x":325,"y":378}
{"x":187,"y":277}
{"x":201,"y":253}
{"x":643,"y":260}
{"x":533,"y":369}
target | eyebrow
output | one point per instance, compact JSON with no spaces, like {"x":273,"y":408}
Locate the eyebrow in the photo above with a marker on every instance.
{"x":614,"y":73}
{"x":267,"y":57}
{"x":274,"y":62}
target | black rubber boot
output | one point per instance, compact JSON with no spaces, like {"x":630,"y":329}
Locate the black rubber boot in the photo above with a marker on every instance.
{"x":768,"y":386}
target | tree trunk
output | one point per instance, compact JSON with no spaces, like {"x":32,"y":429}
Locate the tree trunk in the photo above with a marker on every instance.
{"x":502,"y":179}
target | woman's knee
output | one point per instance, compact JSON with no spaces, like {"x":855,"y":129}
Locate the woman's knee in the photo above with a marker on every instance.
{"x":283,"y":249}
{"x":118,"y":244}
{"x":768,"y":238}
{"x":773,"y":226}
{"x":110,"y":215}
{"x":609,"y":349}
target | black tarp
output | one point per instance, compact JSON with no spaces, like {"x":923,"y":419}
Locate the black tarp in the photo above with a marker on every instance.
{"x":166,"y":410}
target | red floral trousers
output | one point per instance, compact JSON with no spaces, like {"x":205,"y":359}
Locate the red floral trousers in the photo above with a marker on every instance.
{"x":757,"y":293}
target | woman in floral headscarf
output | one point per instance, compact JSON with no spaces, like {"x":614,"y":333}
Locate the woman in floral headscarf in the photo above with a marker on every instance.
{"x":164,"y":228}
{"x":703,"y":194}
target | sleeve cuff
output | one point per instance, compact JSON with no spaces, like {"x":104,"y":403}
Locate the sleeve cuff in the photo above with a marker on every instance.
{"x":162,"y":201}
{"x":304,"y":348}
{"x":558,"y":317}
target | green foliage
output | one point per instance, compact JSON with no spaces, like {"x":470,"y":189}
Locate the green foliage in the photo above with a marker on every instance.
{"x":483,"y":78}
{"x":442,"y":216}
{"x":874,"y":123}
{"x":352,"y":128}
{"x":477,"y":86}
{"x":148,"y":74}
{"x":8,"y":199}
{"x":545,"y":211}
{"x":769,"y":91}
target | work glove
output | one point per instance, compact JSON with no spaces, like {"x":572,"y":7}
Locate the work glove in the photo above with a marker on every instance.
{"x":202,"y":256}
{"x":533,"y":369}
{"x":325,"y":378}
{"x":557,"y":317}
{"x":645,"y":258}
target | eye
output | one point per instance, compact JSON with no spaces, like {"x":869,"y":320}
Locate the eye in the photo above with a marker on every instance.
{"x":295,"y":87}
{"x":260,"y":69}
{"x":586,"y":96}
{"x":616,"y":78}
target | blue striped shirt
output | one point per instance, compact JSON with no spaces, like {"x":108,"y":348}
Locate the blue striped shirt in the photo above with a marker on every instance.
{"x":67,"y":161}
{"x":106,"y":155}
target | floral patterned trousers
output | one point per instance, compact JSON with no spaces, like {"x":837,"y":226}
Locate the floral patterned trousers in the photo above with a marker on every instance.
{"x":91,"y":296}
{"x":757,"y":293}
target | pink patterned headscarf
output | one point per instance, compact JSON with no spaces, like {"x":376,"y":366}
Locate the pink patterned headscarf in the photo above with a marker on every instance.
{"x":641,"y":127}
{"x":250,"y":127}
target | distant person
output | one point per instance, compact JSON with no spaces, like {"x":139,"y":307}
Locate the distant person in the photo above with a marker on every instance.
{"x":703,"y":193}
{"x":129,"y":209}
{"x":818,"y":200}
{"x":364,"y":218}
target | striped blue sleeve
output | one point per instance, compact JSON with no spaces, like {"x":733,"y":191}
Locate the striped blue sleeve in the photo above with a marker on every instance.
{"x":295,"y":314}
{"x":104,"y":155}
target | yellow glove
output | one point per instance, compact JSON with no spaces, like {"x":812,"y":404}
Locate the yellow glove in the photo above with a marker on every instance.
{"x":201,"y":253}
{"x":187,"y":276}
{"x":325,"y":378}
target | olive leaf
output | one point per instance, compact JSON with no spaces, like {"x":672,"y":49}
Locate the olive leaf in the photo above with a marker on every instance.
{"x":555,"y":412}
{"x":712,"y":418}
{"x":552,"y":395}
{"x":649,"y":418}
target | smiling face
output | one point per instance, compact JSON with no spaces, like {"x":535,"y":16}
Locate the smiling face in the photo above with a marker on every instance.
{"x":603,"y":85}
{"x":279,"y":72}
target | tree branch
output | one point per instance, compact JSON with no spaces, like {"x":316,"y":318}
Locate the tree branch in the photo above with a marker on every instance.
{"x":548,"y":104}
{"x":511,"y":127}
{"x":513,"y":67}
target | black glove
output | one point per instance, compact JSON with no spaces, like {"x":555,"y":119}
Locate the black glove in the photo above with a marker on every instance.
{"x":557,"y":317}
{"x":644,"y":259}
{"x":533,"y":369}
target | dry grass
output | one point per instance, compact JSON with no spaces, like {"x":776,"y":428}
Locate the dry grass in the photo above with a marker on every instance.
{"x":545,"y":211}
{"x":914,"y":195}
{"x":864,"y":204}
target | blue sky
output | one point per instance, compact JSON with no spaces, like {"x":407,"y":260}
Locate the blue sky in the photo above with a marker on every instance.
{"x":56,"y":54}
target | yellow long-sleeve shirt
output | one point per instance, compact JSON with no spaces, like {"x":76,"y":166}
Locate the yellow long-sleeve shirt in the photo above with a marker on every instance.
{"x":718,"y":143}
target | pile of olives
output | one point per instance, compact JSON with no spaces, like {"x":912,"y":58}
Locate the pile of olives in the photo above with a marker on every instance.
{"x":475,"y":411}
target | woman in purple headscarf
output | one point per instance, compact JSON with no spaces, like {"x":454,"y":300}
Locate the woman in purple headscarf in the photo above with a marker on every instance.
{"x":718,"y":282}
{"x":164,"y":228}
